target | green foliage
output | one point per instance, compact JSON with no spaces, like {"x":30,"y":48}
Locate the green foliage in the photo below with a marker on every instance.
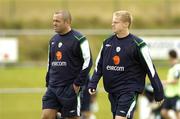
{"x":88,"y":13}
{"x":93,"y":22}
{"x":33,"y":48}
{"x":176,"y":22}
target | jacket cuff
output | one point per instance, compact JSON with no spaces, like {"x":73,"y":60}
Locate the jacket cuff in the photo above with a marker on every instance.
{"x":159,"y":96}
{"x":91,"y":86}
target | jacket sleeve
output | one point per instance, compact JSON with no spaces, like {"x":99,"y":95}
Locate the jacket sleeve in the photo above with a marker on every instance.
{"x":97,"y":72}
{"x":48,"y":66}
{"x":151,"y":71}
{"x":87,"y":64}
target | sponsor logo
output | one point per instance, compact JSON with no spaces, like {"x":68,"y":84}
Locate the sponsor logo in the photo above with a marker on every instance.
{"x":115,"y":68}
{"x":72,"y":111}
{"x":122,"y":111}
{"x":60,"y":44}
{"x":118,"y":49}
{"x":107,"y":45}
{"x":116,"y":59}
{"x":58,"y":55}
{"x":61,"y":63}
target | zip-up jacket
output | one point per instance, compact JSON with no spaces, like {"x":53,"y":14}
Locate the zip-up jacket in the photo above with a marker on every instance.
{"x":124,"y":63}
{"x":69,"y":60}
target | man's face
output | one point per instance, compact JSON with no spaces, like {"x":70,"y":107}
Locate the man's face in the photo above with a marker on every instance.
{"x":59,"y":24}
{"x":118,"y":25}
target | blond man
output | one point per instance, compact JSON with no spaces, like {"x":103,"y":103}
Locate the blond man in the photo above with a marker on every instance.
{"x":123,"y":62}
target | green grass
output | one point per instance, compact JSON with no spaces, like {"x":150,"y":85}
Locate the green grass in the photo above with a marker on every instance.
{"x":28,"y":106}
{"x":22,"y":77}
{"x":20,"y":106}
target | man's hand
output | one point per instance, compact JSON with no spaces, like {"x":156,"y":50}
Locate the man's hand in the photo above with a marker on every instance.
{"x":76,"y":88}
{"x":92,"y":91}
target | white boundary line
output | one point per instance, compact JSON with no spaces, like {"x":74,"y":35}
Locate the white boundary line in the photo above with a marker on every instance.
{"x":151,"y":32}
{"x":30,"y":90}
{"x":21,"y":90}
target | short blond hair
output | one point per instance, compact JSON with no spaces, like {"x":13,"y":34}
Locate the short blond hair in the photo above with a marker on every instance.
{"x":125,"y":16}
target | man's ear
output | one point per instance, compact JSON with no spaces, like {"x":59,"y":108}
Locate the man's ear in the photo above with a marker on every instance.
{"x":126,"y":24}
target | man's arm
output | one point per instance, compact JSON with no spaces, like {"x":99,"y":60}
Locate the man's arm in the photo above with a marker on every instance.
{"x":48,"y":66}
{"x":174,"y":79}
{"x":152,"y":74}
{"x":173,"y":82}
{"x":87,"y":64}
{"x":97,"y":73}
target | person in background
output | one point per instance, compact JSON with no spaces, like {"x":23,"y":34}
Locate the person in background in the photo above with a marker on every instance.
{"x":88,"y":103}
{"x":148,"y":108}
{"x":171,"y":105}
{"x":124,"y":61}
{"x":69,"y":65}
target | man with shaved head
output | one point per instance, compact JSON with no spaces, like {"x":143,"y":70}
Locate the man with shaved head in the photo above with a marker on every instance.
{"x":68,"y":66}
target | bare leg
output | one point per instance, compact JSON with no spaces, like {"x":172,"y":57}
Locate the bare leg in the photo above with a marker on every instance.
{"x":178,"y":115}
{"x":86,"y":115}
{"x":48,"y":114}
{"x":164,"y":114}
{"x":73,"y":117}
{"x":120,"y":117}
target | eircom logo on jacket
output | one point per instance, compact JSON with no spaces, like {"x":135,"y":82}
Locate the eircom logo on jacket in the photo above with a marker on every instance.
{"x":116,"y":61}
{"x":60,"y":63}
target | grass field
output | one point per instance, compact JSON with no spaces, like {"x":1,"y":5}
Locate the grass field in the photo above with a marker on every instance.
{"x":28,"y":105}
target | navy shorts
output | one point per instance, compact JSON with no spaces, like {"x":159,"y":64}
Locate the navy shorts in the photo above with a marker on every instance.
{"x":123,"y":104}
{"x":85,"y":99}
{"x":64,"y":99}
{"x":172,"y":103}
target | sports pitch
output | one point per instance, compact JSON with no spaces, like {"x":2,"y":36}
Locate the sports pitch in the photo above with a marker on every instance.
{"x":25,"y":103}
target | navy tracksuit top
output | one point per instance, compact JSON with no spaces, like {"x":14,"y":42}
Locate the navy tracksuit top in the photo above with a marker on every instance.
{"x":124,"y":63}
{"x":69,"y":60}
